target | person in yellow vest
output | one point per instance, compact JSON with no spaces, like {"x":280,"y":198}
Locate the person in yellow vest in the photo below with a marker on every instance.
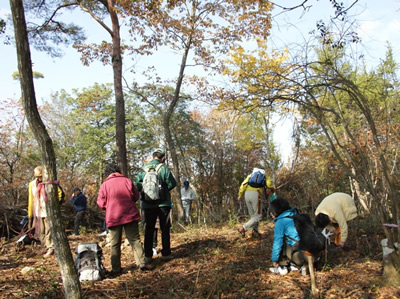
{"x":37,"y":211}
{"x":253,"y":198}
{"x":334,"y":212}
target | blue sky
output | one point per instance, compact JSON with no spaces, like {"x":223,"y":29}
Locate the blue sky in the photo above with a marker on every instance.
{"x":379,"y":22}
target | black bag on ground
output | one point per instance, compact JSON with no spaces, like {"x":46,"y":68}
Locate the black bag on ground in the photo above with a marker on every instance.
{"x":88,"y":262}
{"x":311,"y":239}
{"x":26,"y":236}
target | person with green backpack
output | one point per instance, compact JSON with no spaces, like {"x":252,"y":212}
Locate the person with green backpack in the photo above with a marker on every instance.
{"x":155,"y":182}
{"x":253,"y":188}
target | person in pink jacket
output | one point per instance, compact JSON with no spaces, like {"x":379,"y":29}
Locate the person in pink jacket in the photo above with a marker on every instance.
{"x":118,"y":196}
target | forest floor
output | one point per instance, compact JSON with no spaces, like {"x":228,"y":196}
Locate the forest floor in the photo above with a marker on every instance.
{"x":208,"y":262}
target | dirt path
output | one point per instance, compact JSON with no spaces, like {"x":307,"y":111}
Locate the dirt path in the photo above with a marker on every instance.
{"x":208,"y":263}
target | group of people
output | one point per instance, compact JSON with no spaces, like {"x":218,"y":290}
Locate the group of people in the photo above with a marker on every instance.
{"x":332,"y":214}
{"x":118,"y":196}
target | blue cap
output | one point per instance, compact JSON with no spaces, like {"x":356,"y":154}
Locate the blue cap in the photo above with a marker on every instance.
{"x":77,"y":189}
{"x":186,"y":183}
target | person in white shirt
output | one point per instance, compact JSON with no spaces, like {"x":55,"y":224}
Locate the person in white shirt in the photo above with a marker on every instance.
{"x":188,"y":196}
{"x":334,"y":212}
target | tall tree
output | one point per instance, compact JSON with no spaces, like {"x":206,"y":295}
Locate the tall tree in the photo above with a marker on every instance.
{"x":68,"y":273}
{"x":92,"y":7}
{"x":51,"y":32}
{"x":205,"y":29}
{"x":83,"y":125}
{"x":345,"y":105}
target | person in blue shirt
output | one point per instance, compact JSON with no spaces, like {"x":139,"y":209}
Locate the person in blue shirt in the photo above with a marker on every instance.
{"x":79,"y":201}
{"x":285,"y":253}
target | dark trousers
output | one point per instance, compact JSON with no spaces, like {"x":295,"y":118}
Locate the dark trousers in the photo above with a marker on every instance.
{"x":155,"y":238}
{"x":165,"y":225}
{"x":79,"y":217}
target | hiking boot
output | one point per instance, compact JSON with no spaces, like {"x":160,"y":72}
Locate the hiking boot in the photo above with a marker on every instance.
{"x":167,"y":257}
{"x":147,"y":260}
{"x":242,"y":231}
{"x":114,"y":274}
{"x":279,"y":270}
{"x":49,"y":252}
{"x":144,"y":267}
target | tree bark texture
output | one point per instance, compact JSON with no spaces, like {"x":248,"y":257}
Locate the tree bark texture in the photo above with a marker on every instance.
{"x":167,"y":129}
{"x":120,"y":134}
{"x":69,"y":275}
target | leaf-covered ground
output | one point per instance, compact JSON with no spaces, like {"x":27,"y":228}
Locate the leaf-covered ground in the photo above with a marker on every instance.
{"x":209,"y":262}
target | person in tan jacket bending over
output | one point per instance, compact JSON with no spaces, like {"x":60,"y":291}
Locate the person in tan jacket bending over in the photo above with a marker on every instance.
{"x":336,"y":210}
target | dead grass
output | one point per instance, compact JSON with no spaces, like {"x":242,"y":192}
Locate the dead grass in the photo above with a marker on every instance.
{"x":212,"y":262}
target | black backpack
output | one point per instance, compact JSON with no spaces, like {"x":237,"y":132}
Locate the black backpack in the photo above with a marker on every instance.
{"x":88,"y":262}
{"x":311,"y":239}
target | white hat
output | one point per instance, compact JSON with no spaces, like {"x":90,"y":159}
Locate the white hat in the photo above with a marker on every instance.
{"x":258,"y":170}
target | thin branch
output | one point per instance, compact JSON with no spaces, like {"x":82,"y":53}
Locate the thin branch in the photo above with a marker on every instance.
{"x":50,"y":19}
{"x":96,"y":18}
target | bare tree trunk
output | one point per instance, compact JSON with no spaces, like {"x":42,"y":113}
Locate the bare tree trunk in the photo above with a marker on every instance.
{"x":120,"y":134}
{"x":167,"y":130}
{"x":177,"y":198}
{"x":69,"y":275}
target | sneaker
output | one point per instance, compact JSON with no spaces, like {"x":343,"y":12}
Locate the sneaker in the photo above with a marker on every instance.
{"x":304,"y":270}
{"x":293,"y":267}
{"x":279,"y":270}
{"x":242,"y":231}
